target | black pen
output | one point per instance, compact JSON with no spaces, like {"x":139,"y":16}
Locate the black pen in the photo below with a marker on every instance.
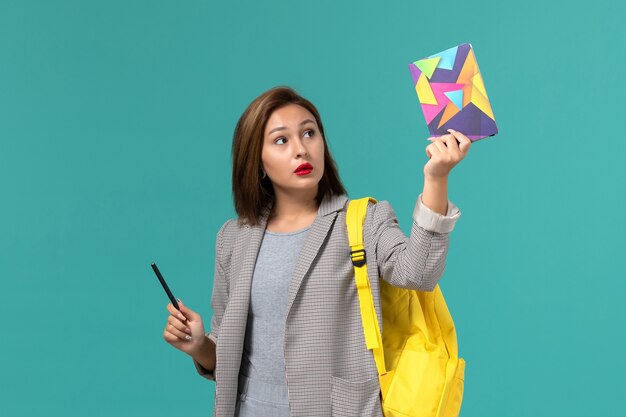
{"x":165,"y":287}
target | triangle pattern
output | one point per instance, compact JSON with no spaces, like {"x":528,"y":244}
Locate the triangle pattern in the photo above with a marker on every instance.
{"x":424,"y":92}
{"x":456,"y":97}
{"x":450,"y":111}
{"x":415,"y":73}
{"x":428,"y":65}
{"x":477,"y":82}
{"x":447,"y":58}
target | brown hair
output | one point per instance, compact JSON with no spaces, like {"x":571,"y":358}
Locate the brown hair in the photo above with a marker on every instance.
{"x":251,"y":194}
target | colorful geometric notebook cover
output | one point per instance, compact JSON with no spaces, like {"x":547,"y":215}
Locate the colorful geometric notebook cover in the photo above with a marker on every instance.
{"x":452,"y":93}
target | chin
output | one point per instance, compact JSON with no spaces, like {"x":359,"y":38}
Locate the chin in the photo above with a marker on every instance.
{"x":309,"y":187}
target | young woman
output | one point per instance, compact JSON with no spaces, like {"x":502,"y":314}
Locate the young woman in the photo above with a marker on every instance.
{"x":286,"y":335}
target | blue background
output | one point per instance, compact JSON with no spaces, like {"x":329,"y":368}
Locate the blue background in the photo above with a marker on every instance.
{"x":116,"y":121}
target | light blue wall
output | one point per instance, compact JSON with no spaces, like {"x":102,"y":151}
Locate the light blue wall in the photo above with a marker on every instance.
{"x":115,"y":125}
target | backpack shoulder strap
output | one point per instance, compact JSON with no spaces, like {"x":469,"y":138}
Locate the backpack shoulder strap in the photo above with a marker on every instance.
{"x":355,"y":217}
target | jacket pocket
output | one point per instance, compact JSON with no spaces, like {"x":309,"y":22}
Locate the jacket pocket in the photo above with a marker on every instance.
{"x":355,"y":399}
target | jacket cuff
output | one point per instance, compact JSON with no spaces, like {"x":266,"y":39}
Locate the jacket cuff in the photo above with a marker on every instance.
{"x":435,"y":222}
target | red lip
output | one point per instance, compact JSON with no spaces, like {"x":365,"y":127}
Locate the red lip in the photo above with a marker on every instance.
{"x":304,"y":167}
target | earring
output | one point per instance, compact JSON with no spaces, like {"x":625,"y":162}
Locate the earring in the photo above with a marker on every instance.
{"x":264,"y":175}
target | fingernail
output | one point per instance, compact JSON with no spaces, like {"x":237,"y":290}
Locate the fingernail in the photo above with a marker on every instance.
{"x":451,"y":130}
{"x":188,"y":330}
{"x":180,"y":316}
{"x":187,"y":337}
{"x":179,"y":300}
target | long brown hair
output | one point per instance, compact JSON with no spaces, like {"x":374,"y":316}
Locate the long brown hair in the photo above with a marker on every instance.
{"x":252,"y":194}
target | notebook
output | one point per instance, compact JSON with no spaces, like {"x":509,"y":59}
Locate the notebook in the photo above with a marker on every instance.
{"x":452,"y":93}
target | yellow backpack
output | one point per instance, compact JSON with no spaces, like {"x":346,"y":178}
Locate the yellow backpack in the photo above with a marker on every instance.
{"x":417,"y":359}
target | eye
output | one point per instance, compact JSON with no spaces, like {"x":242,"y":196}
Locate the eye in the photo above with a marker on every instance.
{"x":310,"y":132}
{"x":278,"y":141}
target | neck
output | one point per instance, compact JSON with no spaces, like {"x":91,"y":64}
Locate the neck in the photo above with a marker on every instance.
{"x":293,"y":206}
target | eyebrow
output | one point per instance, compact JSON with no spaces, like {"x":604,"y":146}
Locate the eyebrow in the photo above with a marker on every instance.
{"x":276,"y":129}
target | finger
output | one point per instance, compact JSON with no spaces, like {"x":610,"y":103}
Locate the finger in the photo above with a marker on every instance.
{"x":458,"y":134}
{"x":170,"y":338}
{"x":443,"y":138}
{"x":435,"y":138}
{"x":172,"y":310}
{"x":437,"y":145}
{"x":441,"y":147}
{"x":178,"y":324}
{"x":432,"y":150}
{"x":187,"y":312}
{"x":464,"y":142}
{"x":440,"y":143}
{"x":173,"y":339}
{"x":180,"y":335}
{"x":453,"y":146}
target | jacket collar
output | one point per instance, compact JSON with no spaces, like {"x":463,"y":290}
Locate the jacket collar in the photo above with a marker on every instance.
{"x":332,"y":204}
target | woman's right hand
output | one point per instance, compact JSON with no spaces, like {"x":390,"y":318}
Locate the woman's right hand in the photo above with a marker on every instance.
{"x":184,"y":329}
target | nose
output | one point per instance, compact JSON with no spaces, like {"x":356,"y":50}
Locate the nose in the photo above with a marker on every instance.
{"x":300,"y":148}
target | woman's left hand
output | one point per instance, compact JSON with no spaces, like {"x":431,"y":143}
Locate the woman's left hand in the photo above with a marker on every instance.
{"x":444,"y":153}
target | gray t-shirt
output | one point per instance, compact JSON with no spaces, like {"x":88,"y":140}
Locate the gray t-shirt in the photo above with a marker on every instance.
{"x":263,"y":354}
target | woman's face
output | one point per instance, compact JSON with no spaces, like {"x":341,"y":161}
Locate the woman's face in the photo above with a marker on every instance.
{"x":290,"y":141}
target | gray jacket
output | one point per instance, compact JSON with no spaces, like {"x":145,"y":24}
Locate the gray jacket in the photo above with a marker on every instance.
{"x":329,"y":370}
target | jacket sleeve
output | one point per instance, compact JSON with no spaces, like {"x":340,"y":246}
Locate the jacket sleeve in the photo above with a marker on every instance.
{"x":219,"y":298}
{"x":416,"y":262}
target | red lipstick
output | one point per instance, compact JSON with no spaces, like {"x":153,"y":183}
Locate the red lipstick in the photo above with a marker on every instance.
{"x":304,"y":169}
